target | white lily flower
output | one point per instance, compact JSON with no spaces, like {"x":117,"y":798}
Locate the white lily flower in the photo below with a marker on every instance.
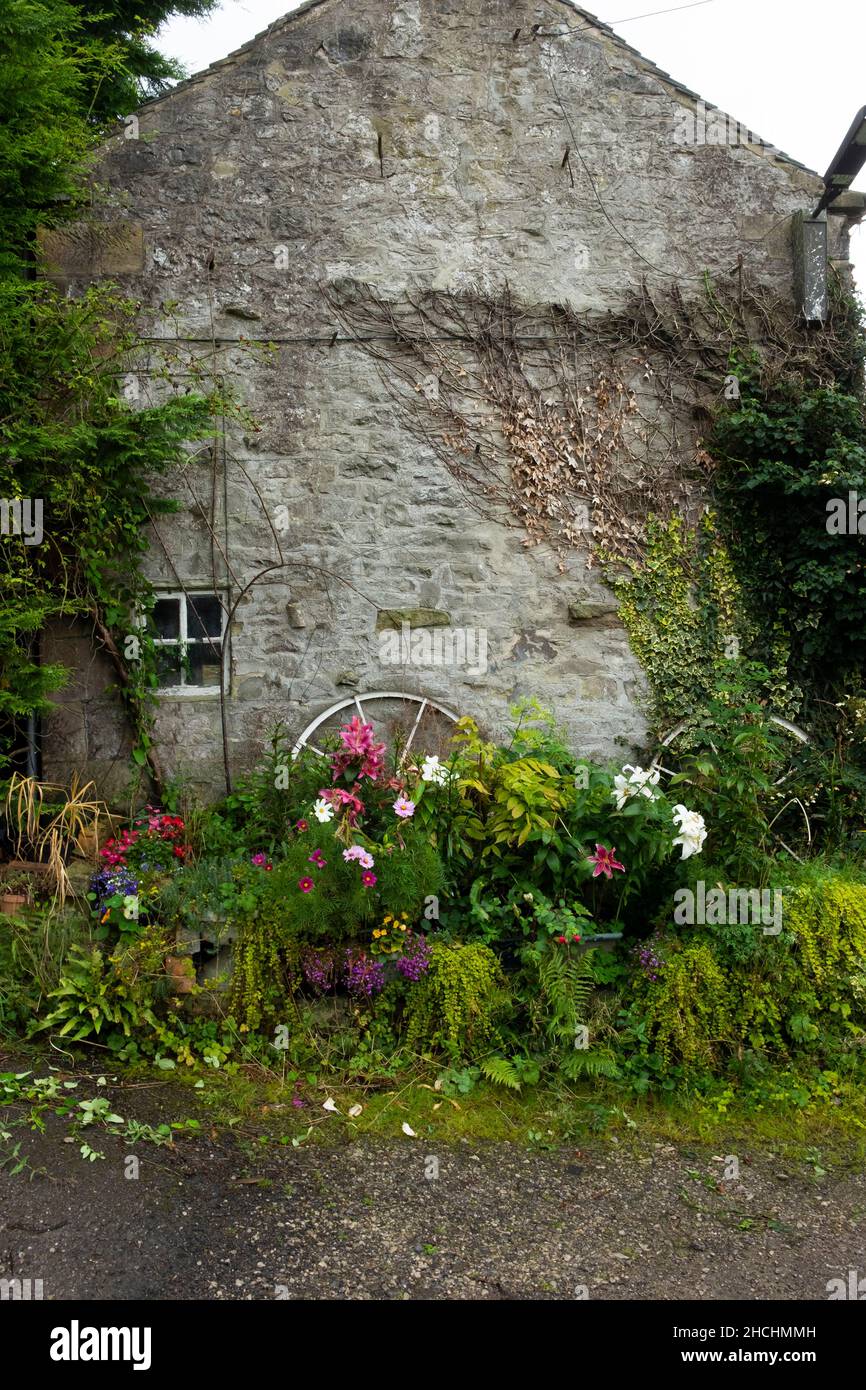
{"x":621,"y":791}
{"x":434,"y":771}
{"x":639,"y":783}
{"x":693,"y":831}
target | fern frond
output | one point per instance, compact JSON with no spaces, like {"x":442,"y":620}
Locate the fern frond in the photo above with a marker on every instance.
{"x":500,"y":1070}
{"x":588,"y":1062}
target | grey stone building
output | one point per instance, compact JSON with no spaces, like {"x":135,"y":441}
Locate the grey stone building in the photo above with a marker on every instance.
{"x":298,"y":218}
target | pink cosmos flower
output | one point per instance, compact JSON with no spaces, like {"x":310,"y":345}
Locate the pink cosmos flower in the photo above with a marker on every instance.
{"x":404,"y":808}
{"x":305,"y":885}
{"x":316,"y":858}
{"x":604,"y":862}
{"x":368,"y":879}
{"x":302,"y":825}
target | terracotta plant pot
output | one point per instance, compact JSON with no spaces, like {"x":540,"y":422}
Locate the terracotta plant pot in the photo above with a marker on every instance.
{"x":181,"y":972}
{"x":12,"y":903}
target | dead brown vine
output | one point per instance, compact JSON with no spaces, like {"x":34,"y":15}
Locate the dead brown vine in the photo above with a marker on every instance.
{"x":576,"y":427}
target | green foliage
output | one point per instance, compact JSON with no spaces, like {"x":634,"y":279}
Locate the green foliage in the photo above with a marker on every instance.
{"x":519,"y":829}
{"x":124,"y":29}
{"x":828,"y":920}
{"x":456,"y":1005}
{"x":68,"y":440}
{"x":266,"y":803}
{"x":44,"y":139}
{"x":687,"y":1013}
{"x":787,"y":447}
{"x":94,"y":999}
{"x":502,"y":1071}
{"x":680,"y":606}
{"x":724,"y":991}
{"x":33,"y":948}
{"x":729,"y":761}
{"x":556,"y":993}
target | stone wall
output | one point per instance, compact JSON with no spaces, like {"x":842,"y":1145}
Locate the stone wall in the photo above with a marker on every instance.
{"x":408,"y":145}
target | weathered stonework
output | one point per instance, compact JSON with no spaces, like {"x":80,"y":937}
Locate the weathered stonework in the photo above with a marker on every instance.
{"x":409,"y":145}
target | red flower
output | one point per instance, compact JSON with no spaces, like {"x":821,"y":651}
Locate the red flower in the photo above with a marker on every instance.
{"x":575,"y":937}
{"x":562,"y":939}
{"x":604,"y":862}
{"x":305,"y":884}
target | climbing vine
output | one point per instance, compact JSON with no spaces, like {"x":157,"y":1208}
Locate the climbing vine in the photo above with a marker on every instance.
{"x":603,"y":437}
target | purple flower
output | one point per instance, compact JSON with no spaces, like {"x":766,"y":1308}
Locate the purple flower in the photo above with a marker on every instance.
{"x":109,"y":882}
{"x":416,"y":961}
{"x":362,"y":976}
{"x":259,"y":860}
{"x":319,"y":969}
{"x":649,"y":962}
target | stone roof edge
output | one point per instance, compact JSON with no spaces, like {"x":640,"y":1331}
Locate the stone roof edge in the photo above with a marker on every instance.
{"x":591,"y":23}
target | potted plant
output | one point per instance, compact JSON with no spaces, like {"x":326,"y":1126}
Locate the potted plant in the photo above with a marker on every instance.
{"x":181,"y":973}
{"x":15,"y":893}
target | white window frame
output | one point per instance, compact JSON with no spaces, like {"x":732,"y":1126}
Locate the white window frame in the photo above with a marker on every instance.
{"x":182,"y":640}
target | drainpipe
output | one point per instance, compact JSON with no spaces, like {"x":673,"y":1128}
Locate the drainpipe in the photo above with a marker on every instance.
{"x":32,"y":764}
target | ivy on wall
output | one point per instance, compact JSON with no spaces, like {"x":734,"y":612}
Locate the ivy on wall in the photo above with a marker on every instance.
{"x":680,"y":605}
{"x":788,"y":457}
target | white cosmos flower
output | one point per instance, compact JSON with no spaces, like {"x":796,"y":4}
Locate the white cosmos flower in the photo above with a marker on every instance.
{"x":323,"y":810}
{"x":693,"y":831}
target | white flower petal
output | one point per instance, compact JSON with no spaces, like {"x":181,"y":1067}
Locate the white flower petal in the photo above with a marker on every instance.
{"x":330,"y":1106}
{"x":407,"y":1129}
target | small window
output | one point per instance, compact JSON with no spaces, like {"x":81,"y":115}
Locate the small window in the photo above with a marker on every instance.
{"x":188,"y":636}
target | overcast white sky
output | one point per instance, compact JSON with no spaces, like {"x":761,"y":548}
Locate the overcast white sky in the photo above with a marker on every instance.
{"x":792,"y":71}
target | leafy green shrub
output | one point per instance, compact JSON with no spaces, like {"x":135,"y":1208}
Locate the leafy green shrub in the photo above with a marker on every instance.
{"x":33,"y":948}
{"x":94,"y":999}
{"x":686,"y":1013}
{"x":455,"y":1007}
